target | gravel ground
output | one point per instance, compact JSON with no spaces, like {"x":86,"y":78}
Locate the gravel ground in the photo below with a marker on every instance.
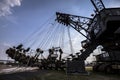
{"x":56,"y":75}
{"x":27,"y":75}
{"x":4,"y":67}
{"x":30,"y":73}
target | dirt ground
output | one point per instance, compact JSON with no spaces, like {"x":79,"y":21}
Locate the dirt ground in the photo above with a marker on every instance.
{"x":4,"y":66}
{"x":56,"y":75}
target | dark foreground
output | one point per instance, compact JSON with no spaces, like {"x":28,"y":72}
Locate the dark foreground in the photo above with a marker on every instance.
{"x":56,"y":75}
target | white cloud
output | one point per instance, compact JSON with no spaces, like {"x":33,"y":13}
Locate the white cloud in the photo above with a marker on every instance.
{"x":113,"y":3}
{"x":7,"y":5}
{"x":91,"y":58}
{"x":3,"y":47}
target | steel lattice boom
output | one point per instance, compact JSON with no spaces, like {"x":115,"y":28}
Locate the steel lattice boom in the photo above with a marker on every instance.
{"x":77,"y":22}
{"x":98,"y":4}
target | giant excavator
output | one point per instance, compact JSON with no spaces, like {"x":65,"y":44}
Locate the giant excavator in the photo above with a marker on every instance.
{"x":103,"y":29}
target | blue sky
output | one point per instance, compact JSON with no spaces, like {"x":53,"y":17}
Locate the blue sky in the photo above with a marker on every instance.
{"x":19,"y":18}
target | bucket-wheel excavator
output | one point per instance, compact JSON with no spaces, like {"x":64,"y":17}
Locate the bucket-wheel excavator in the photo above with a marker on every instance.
{"x":102,"y":29}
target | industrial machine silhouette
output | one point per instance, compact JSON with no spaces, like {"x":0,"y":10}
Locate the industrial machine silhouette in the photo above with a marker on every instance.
{"x":102,"y":29}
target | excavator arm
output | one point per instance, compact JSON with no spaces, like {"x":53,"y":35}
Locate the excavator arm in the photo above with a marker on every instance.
{"x":79,"y":23}
{"x":98,"y":4}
